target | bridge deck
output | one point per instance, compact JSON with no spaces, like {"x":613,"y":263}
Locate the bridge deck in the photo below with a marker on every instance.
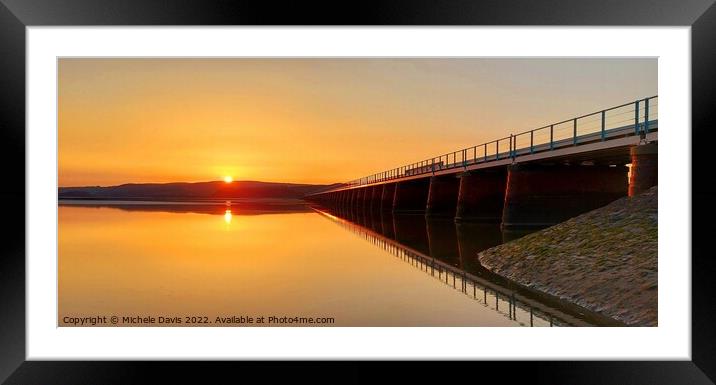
{"x":586,"y":146}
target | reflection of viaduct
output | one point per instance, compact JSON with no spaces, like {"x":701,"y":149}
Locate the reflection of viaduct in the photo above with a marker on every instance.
{"x":446,"y":252}
{"x":535,"y":178}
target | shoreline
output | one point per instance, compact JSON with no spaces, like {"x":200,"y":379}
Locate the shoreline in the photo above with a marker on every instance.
{"x":240,"y":206}
{"x":174,"y":201}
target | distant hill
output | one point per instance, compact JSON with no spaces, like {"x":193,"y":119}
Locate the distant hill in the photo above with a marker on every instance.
{"x":199,"y":190}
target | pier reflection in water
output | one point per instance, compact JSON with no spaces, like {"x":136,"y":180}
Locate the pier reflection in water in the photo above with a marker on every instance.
{"x":447,"y":251}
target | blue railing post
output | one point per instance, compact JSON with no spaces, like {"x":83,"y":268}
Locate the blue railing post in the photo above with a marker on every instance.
{"x":551,"y":137}
{"x":509,"y":152}
{"x":485,"y":152}
{"x":574,"y":135}
{"x":532,"y":141}
{"x":646,"y":115}
{"x":497,"y":149}
{"x":636,"y":118}
{"x":604,"y":134}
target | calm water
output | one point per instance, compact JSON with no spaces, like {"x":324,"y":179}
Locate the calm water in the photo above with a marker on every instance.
{"x":289,"y":260}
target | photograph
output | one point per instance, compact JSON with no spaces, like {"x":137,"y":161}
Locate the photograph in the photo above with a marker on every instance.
{"x":363,"y":193}
{"x":357,"y":191}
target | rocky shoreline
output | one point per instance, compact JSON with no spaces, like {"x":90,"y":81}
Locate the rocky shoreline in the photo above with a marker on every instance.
{"x":604,"y":260}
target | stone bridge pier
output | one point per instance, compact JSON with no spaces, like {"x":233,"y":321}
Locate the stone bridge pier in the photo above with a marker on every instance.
{"x":386,"y":197}
{"x":644,"y":168}
{"x":375,"y":193}
{"x":442,"y":196}
{"x":352,"y":197}
{"x":543,"y":195}
{"x":481,"y":196}
{"x":360,"y":197}
{"x":411,"y":196}
{"x":344,"y":199}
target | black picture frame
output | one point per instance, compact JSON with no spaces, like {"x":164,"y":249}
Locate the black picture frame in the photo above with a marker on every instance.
{"x":16,"y":15}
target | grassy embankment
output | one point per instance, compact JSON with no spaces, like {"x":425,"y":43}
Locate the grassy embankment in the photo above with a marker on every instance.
{"x":604,"y":260}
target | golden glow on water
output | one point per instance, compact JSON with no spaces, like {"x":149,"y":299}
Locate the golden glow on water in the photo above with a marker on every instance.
{"x":159,"y":263}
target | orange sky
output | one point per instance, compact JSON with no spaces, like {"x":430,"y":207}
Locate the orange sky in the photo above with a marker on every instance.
{"x":311,"y":120}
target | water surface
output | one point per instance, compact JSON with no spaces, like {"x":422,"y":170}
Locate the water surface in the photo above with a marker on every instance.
{"x":149,"y":259}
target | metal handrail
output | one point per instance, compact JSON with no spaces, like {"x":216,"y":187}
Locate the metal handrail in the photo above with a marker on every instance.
{"x":641,"y":121}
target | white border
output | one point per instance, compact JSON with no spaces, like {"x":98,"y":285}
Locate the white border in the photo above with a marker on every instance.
{"x":670,"y":340}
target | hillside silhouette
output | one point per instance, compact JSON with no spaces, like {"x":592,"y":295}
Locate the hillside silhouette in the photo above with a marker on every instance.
{"x":198,"y":190}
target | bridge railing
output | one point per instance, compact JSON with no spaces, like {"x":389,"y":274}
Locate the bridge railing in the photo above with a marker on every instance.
{"x":634,"y":118}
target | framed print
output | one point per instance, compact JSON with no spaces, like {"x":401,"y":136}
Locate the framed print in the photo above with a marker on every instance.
{"x":212,"y":181}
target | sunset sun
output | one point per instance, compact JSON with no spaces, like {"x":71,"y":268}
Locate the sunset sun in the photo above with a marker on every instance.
{"x":228,"y":179}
